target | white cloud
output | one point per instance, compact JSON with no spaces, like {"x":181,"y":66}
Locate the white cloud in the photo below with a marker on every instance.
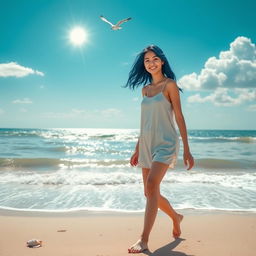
{"x":22,"y":101}
{"x":235,"y":68}
{"x":111,"y":113}
{"x":231,"y":77}
{"x":135,"y":99}
{"x":14,"y":69}
{"x":220,"y":97}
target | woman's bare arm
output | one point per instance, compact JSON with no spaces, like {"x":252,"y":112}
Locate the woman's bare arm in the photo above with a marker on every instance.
{"x":174,"y":96}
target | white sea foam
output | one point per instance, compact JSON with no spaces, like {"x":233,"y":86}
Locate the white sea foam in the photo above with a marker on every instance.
{"x":126,"y":176}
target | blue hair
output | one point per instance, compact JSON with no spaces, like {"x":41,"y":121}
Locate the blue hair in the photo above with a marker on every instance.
{"x":140,"y":76}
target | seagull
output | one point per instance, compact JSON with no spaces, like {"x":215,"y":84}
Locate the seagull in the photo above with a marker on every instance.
{"x":117,"y":26}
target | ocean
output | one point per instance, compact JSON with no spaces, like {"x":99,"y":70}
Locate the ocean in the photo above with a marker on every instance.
{"x":88,"y":169}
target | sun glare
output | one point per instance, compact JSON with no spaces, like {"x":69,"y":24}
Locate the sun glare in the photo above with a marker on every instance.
{"x":78,"y":36}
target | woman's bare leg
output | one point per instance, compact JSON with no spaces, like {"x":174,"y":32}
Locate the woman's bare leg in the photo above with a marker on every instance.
{"x":165,"y":206}
{"x":153,"y":181}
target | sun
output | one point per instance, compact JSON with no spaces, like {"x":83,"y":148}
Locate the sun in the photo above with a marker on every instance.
{"x":78,"y":36}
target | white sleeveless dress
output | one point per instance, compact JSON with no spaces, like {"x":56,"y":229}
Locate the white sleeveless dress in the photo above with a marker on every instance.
{"x":158,"y":141}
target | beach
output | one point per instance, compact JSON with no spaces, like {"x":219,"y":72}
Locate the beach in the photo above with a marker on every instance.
{"x":110,"y":234}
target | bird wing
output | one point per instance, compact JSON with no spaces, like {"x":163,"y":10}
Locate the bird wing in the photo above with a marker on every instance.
{"x":122,"y":21}
{"x":104,"y":19}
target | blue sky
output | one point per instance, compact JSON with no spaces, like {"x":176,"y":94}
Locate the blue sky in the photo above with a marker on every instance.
{"x":46,"y":81}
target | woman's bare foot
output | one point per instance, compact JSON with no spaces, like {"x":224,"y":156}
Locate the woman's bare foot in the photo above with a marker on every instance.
{"x":138,"y":247}
{"x":176,"y":226}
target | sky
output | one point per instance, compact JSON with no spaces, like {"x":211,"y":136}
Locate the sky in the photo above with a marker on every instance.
{"x":46,"y":81}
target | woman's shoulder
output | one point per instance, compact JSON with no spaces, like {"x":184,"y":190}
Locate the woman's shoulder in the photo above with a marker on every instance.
{"x":144,"y":88}
{"x":170,"y":81}
{"x":171,"y":84}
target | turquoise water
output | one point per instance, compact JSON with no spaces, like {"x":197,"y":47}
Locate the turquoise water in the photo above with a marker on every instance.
{"x":70,"y":169}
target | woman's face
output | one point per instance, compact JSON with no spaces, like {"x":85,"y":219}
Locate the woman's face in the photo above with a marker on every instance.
{"x":152,"y":63}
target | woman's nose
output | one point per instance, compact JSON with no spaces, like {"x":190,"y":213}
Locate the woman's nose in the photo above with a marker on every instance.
{"x":152,"y":62}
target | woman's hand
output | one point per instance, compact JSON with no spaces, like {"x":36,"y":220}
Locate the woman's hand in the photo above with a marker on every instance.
{"x":188,"y":160}
{"x":134,"y":158}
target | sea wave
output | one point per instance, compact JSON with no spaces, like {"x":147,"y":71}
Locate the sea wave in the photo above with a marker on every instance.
{"x":23,"y":163}
{"x":72,"y":178}
{"x":30,"y":163}
{"x":19,"y":133}
{"x":123,"y":177}
{"x":223,"y":139}
{"x":73,"y":134}
{"x":88,"y":149}
{"x":224,"y":164}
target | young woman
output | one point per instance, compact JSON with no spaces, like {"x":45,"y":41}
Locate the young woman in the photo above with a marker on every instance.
{"x":158,"y":144}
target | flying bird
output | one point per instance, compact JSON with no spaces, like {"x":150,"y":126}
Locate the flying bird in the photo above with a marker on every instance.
{"x":117,"y":26}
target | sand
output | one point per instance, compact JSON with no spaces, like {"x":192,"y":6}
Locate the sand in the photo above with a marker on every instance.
{"x":110,"y":234}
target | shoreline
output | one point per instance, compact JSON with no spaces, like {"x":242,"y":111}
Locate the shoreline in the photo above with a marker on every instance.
{"x":86,"y":213}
